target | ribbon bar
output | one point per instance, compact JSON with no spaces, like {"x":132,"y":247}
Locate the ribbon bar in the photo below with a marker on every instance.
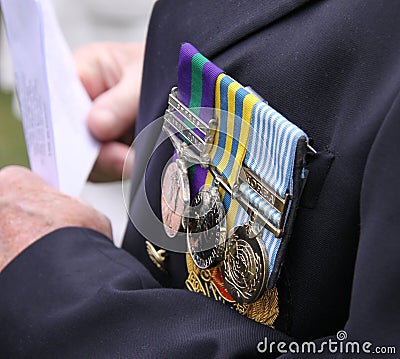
{"x":181,"y":124}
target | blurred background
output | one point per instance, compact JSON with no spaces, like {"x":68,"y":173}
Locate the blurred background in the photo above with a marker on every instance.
{"x":12,"y":144}
{"x":82,"y":22}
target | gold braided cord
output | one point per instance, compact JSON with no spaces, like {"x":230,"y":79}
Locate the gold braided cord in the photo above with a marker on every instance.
{"x":209,"y":283}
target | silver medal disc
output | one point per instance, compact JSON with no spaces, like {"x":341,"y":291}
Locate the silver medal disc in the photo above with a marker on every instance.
{"x":245,"y":266}
{"x":206,"y":229}
{"x":175,"y":197}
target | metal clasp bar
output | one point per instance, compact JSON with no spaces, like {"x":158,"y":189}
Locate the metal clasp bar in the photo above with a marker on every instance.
{"x":250,"y":209}
{"x":176,"y":105}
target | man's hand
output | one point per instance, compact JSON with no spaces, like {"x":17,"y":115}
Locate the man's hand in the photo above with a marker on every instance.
{"x":111,"y":74}
{"x":30,"y":209}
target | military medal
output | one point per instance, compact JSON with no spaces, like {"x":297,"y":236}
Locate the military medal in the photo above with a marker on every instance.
{"x":175,"y":197}
{"x":245,"y":267}
{"x":204,"y":219}
{"x":175,"y":190}
{"x":206,"y":229}
{"x":246,"y":173}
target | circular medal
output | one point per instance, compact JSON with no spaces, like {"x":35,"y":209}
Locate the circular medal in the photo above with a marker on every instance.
{"x":175,"y":197}
{"x":245,"y":267}
{"x":206,"y":229}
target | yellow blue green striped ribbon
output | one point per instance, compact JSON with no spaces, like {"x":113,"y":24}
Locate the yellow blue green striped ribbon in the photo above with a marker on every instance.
{"x":234,"y":109}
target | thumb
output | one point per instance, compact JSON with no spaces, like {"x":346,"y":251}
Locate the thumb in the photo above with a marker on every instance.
{"x":114,"y":111}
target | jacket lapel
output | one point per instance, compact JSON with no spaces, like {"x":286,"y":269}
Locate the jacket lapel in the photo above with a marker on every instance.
{"x":212,"y":26}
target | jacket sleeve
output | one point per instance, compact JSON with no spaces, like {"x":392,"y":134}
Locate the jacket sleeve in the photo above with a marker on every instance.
{"x":73,"y":294}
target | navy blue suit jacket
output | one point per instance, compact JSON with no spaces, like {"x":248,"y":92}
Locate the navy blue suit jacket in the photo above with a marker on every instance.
{"x":333,"y":68}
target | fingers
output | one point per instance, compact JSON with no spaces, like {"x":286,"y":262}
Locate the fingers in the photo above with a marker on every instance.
{"x":111,"y":74}
{"x":110,"y":163}
{"x":114,"y":111}
{"x":97,"y":68}
{"x":100,"y":66}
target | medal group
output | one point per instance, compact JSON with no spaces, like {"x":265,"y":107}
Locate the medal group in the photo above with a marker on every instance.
{"x":230,"y":184}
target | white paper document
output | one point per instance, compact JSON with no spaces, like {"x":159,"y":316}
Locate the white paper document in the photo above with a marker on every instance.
{"x":53,"y":102}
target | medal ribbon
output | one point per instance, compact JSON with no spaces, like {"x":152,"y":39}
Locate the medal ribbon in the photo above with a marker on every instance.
{"x":234,"y":107}
{"x":271,"y":156}
{"x":249,"y":132}
{"x":196,"y":86}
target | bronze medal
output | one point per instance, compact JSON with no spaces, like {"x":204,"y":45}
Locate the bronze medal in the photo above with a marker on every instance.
{"x":175,"y":198}
{"x":245,"y":267}
{"x":206,"y":229}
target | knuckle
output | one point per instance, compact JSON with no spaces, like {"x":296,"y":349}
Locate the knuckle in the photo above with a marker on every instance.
{"x":12,"y":172}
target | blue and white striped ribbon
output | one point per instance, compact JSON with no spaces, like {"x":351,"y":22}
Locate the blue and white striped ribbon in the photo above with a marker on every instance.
{"x":270,"y":155}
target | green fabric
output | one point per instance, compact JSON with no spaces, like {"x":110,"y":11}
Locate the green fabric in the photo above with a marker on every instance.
{"x":198,"y":62}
